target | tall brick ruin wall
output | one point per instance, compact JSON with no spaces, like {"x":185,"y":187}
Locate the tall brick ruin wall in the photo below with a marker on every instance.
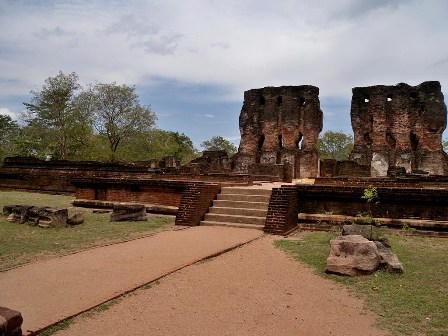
{"x":280,"y":125}
{"x":399,"y":126}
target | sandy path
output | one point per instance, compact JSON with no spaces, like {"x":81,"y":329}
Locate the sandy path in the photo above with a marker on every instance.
{"x":48,"y":291}
{"x":253,"y":290}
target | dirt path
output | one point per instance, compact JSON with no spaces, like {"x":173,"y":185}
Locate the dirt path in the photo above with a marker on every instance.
{"x":253,"y":290}
{"x":48,"y":291}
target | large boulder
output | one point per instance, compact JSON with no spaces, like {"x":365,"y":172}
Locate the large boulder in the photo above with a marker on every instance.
{"x":128,"y":212}
{"x":352,"y":255}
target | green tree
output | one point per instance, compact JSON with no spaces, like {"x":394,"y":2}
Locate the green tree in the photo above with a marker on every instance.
{"x":8,"y":133}
{"x":445,"y":145}
{"x":334,"y":145}
{"x":219,"y":143}
{"x":159,"y":143}
{"x":118,"y":114}
{"x":54,"y":122}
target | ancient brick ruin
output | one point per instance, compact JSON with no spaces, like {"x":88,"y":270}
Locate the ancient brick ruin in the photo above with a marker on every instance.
{"x":280,"y":125}
{"x":399,"y":126}
{"x":397,"y":150}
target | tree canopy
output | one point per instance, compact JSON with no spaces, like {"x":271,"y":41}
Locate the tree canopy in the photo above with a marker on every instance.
{"x":219,"y":143}
{"x":54,"y":120}
{"x":8,"y":132}
{"x":118,"y":114}
{"x":335,"y":145}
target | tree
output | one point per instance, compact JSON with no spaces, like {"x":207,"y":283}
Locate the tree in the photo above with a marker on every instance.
{"x":157,"y":144}
{"x":219,"y":143}
{"x":118,"y":114}
{"x":8,"y":133}
{"x":54,"y":120}
{"x":445,"y":145}
{"x":334,"y":145}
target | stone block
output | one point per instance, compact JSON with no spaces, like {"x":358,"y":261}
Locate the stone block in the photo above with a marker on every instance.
{"x":10,"y":322}
{"x":390,"y":259}
{"x":352,"y":255}
{"x":128,"y":212}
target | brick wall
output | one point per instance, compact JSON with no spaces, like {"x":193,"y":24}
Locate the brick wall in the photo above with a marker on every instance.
{"x":59,"y":179}
{"x":196,"y":199}
{"x":282,"y":210}
{"x":162,"y":192}
{"x":394,"y":202}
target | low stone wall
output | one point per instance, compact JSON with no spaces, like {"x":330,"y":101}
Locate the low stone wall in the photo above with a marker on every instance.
{"x":162,"y":192}
{"x":409,"y":181}
{"x":56,"y":176}
{"x":331,"y":168}
{"x":394,"y":202}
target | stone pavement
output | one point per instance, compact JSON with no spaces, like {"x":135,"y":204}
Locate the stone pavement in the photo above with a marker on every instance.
{"x":49,"y":291}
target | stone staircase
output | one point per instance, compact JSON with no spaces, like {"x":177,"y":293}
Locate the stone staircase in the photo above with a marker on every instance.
{"x":239,"y":207}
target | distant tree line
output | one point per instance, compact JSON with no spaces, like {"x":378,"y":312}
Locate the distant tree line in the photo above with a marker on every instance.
{"x":106,"y":122}
{"x":103,"y":122}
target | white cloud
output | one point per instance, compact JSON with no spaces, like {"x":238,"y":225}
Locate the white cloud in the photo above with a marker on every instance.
{"x":5,"y":111}
{"x":236,"y":45}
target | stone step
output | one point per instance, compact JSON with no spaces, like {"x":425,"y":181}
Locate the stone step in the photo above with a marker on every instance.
{"x":238,"y":211}
{"x":236,"y":225}
{"x":234,"y":219}
{"x":244,"y":198}
{"x":246,"y":191}
{"x":241,"y":204}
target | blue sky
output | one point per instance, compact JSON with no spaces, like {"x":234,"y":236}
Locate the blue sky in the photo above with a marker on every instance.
{"x":192,"y":60}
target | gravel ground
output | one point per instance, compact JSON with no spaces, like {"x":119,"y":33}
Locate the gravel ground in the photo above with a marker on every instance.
{"x":252,"y":290}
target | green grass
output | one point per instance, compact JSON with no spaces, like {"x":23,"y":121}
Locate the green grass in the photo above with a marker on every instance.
{"x":415,"y":302}
{"x":20,"y":244}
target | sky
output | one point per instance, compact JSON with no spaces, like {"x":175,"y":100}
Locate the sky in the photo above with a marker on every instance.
{"x":192,"y":60}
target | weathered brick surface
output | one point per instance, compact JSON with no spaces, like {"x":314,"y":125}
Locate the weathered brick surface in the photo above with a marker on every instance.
{"x":278,"y":125}
{"x":37,"y":175}
{"x":399,"y":125}
{"x":163,"y":192}
{"x":282,"y":210}
{"x":196,"y":199}
{"x":394,"y":202}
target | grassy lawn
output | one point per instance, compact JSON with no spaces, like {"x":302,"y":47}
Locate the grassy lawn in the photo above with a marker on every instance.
{"x":20,"y":244}
{"x":414,"y":303}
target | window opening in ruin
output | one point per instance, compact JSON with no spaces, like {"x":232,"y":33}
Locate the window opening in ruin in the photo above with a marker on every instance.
{"x":302,"y":101}
{"x":366,"y":98}
{"x":413,"y":95}
{"x":367,"y":139}
{"x":299,"y":141}
{"x":414,"y":141}
{"x":279,"y":100}
{"x":261,"y":142}
{"x":280,"y":141}
{"x":390,"y":140}
{"x":262,"y":100}
{"x":389,"y":98}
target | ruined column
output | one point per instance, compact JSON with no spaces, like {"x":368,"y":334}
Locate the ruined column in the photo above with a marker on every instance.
{"x":399,"y":126}
{"x":280,"y":125}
